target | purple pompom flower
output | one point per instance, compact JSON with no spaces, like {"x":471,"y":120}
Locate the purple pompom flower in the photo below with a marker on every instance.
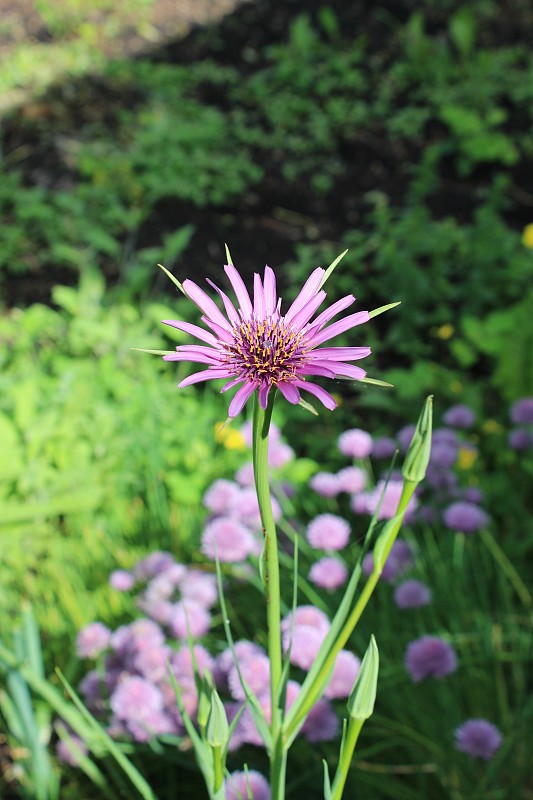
{"x":465,"y":517}
{"x":189,"y":617}
{"x":325,"y":484}
{"x":429,"y":657}
{"x":344,"y":674}
{"x":387,"y":497}
{"x":398,"y":561}
{"x":256,"y":672}
{"x":226,"y":538}
{"x":520,"y":439}
{"x":328,"y":573}
{"x":322,"y":723}
{"x":478,"y":738}
{"x":522,"y":411}
{"x":221,"y":496}
{"x":404,"y":437}
{"x":384,"y":447}
{"x":352,"y":479}
{"x":412,"y":594}
{"x":121,"y":580}
{"x":328,"y":532}
{"x":256,"y":348}
{"x":69,"y":752}
{"x":355,"y":443}
{"x":242,"y":785}
{"x":152,"y":565}
{"x":279,"y":454}
{"x":459,"y":416}
{"x":93,"y":640}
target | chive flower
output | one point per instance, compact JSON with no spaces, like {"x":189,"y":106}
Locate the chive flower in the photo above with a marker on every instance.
{"x":256,"y":348}
{"x":478,"y":738}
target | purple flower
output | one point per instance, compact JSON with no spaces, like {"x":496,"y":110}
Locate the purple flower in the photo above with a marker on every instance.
{"x":412,"y":594}
{"x":248,"y":508}
{"x":255,"y":347}
{"x":520,"y":439}
{"x":226,"y":538}
{"x":352,"y":479}
{"x":221,"y":496}
{"x":384,"y":447}
{"x":188,"y":616}
{"x":328,"y":573}
{"x":325,"y":484}
{"x":121,"y":580}
{"x":465,"y":517}
{"x":355,"y":443}
{"x":404,"y":437}
{"x":245,"y":475}
{"x":152,"y":565}
{"x":256,"y":672}
{"x":328,"y":532}
{"x":243,"y":651}
{"x":443,"y":455}
{"x":387,"y":497}
{"x":242,"y":785}
{"x":522,"y":411}
{"x":428,"y":657}
{"x":441,"y":435}
{"x":279,"y":454}
{"x":308,"y":630}
{"x":459,"y":416}
{"x":93,"y":640}
{"x":472,"y":494}
{"x":69,"y":752}
{"x":398,"y":561}
{"x":135,"y":698}
{"x":478,"y":738}
{"x":200,"y":587}
{"x":344,"y":674}
{"x":322,"y":723}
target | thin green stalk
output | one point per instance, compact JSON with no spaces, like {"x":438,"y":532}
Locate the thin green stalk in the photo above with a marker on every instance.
{"x":352,"y":735}
{"x":507,"y":568}
{"x":261,"y":427}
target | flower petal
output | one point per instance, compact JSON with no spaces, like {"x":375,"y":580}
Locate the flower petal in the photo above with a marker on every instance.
{"x":269,"y":283}
{"x":240,"y":290}
{"x":289,"y":392}
{"x":264,"y":389}
{"x":341,"y":353}
{"x":232,"y":384}
{"x":309,"y":289}
{"x":314,"y":368}
{"x":259,"y":298}
{"x":231,"y":311}
{"x":333,"y":310}
{"x":304,"y":314}
{"x":209,"y":374}
{"x":205,"y":304}
{"x":199,"y":358}
{"x":193,"y":330}
{"x":346,"y":370}
{"x":339,"y":327}
{"x":325,"y":398}
{"x":241,"y":397}
{"x":222,"y":333}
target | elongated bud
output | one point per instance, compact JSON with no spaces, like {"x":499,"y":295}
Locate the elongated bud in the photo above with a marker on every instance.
{"x":417,"y":458}
{"x":204,"y":707}
{"x":363,"y":696}
{"x":217,"y":723}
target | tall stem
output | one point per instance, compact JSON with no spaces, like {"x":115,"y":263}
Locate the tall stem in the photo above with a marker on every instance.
{"x":261,"y":427}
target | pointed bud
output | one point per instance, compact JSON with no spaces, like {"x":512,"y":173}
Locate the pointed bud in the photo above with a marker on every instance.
{"x":204,"y":706}
{"x":363,"y":696}
{"x":217,"y":723}
{"x":417,"y":458}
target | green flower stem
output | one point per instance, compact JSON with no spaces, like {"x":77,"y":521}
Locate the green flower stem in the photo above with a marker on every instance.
{"x":352,"y":735}
{"x":307,"y":699}
{"x":270,"y":562}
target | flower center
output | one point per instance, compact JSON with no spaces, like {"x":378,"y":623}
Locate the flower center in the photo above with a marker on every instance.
{"x":265,"y":350}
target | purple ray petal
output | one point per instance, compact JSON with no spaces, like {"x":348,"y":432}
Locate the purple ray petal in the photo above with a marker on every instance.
{"x":310,"y":288}
{"x":341,"y":353}
{"x":259,"y":298}
{"x":231,"y":384}
{"x":222,"y":333}
{"x":230,"y":309}
{"x":264,"y":389}
{"x":325,"y":398}
{"x":241,"y":397}
{"x":269,"y":283}
{"x":339,"y":327}
{"x":205,"y":304}
{"x":314,"y":368}
{"x":346,"y":370}
{"x":209,"y":374}
{"x":193,"y":330}
{"x":198,"y":358}
{"x":289,"y":391}
{"x":304,"y":314}
{"x":240,"y":290}
{"x":333,"y":310}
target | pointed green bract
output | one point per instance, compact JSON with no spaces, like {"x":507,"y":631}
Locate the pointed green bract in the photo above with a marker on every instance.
{"x":228,"y":255}
{"x":174,"y":280}
{"x":382,"y":309}
{"x":363,"y":696}
{"x":327,"y":782}
{"x":377,"y":382}
{"x":154,"y":352}
{"x":217,"y":723}
{"x":308,"y":407}
{"x":330,"y":269}
{"x":417,"y":458}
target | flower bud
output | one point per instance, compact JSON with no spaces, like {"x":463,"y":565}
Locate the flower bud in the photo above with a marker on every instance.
{"x":363,"y":696}
{"x":217,"y":723}
{"x":417,"y":458}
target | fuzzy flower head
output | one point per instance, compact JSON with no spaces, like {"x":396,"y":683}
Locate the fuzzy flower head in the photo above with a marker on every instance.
{"x":465,"y":517}
{"x":256,"y":348}
{"x":355,"y":443}
{"x":478,"y":738}
{"x":521,"y":412}
{"x":242,"y":785}
{"x":328,"y":573}
{"x":328,"y":532}
{"x":430,"y":657}
{"x":93,"y":640}
{"x":412,"y":594}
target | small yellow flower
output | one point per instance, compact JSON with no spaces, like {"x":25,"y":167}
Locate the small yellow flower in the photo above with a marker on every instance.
{"x":491,"y":426}
{"x":466,"y":457}
{"x":445,"y":331}
{"x":527,"y":236}
{"x":230,"y":438}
